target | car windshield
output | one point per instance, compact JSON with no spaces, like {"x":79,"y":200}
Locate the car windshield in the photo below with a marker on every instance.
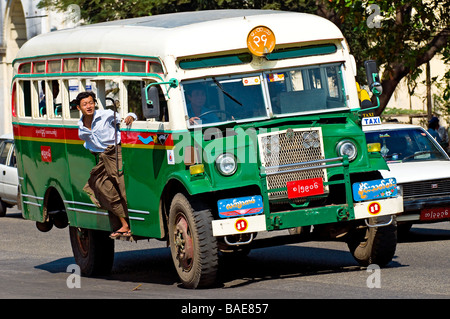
{"x":405,"y":145}
{"x":250,"y":97}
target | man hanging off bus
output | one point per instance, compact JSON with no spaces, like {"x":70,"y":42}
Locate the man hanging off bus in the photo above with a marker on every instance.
{"x":99,"y":130}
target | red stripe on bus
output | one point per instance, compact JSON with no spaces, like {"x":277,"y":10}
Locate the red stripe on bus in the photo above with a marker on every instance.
{"x":47,"y":132}
{"x":64,"y":133}
{"x":147,"y":138}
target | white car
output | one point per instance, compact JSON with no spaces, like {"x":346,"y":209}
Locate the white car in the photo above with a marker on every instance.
{"x":9,"y":180}
{"x":420,"y":166}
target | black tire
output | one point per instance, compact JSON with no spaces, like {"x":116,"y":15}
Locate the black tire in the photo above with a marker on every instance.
{"x":3,"y":207}
{"x":403,"y":229}
{"x":93,"y":251}
{"x":193,"y":247}
{"x":373,"y":245}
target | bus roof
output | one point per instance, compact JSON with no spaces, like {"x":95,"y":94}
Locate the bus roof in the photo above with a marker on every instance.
{"x":180,"y":34}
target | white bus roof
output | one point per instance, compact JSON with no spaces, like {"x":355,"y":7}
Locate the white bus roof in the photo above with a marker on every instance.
{"x":181,"y":34}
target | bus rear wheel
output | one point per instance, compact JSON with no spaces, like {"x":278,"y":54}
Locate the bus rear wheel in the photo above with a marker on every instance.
{"x":193,"y":247}
{"x":373,"y":245}
{"x":93,"y":251}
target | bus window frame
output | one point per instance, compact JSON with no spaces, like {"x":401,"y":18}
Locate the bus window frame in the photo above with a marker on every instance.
{"x":22,"y":66}
{"x":35,"y":63}
{"x":102,"y":59}
{"x":97,"y":66}
{"x":71,"y":71}
{"x":125,"y":60}
{"x":48,"y":64}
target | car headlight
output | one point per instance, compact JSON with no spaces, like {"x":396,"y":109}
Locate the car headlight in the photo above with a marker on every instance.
{"x":226,"y":164}
{"x":348,"y":148}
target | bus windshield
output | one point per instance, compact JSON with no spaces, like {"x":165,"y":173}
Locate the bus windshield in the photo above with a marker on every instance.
{"x":309,"y":89}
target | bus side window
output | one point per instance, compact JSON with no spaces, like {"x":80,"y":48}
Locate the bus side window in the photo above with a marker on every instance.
{"x":42,"y":99}
{"x":163,"y":109}
{"x":112,"y":95}
{"x":107,"y":92}
{"x":70,"y":90}
{"x":49,"y":98}
{"x":133,"y":89}
{"x":26,"y":98}
{"x":56,"y":96}
{"x":135,"y":101}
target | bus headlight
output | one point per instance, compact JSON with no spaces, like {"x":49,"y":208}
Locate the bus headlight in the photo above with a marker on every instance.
{"x":348,"y":148}
{"x":226,"y":164}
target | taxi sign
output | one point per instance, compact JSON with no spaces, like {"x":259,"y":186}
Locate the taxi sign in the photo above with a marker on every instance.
{"x":371,"y":120}
{"x":261,"y":41}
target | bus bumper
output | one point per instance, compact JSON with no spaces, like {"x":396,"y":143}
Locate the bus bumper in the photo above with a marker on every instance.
{"x":349,"y":211}
{"x":306,"y":217}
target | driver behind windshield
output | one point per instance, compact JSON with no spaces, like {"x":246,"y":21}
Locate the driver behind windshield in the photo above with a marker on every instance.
{"x":196,"y":106}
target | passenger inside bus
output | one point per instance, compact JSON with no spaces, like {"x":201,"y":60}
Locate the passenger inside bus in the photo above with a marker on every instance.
{"x":43,"y":102}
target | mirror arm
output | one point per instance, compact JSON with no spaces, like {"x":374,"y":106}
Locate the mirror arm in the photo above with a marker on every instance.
{"x":371,"y":108}
{"x":173,"y":83}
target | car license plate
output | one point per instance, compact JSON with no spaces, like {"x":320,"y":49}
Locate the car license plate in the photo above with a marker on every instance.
{"x":435,"y":213}
{"x":305,"y":187}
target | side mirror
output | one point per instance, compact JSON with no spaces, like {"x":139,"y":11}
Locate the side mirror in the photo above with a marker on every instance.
{"x":150,"y":98}
{"x":373,"y":79}
{"x":150,"y":102}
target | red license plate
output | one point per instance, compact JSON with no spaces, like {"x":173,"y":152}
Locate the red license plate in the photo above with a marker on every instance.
{"x":305,"y":187}
{"x":435,"y":213}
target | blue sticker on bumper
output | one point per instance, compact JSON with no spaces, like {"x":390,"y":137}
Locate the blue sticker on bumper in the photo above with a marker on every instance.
{"x":381,"y":188}
{"x":242,"y":206}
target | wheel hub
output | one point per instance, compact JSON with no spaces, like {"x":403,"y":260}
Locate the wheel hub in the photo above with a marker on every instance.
{"x":183,"y":243}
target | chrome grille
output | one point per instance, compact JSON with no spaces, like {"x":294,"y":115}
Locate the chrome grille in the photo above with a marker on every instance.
{"x":289,"y":147}
{"x":435,"y":187}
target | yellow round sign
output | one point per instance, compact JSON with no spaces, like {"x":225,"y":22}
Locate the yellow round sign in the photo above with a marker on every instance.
{"x":261,"y":41}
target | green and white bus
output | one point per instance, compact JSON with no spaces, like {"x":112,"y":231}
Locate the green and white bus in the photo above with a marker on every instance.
{"x":275,"y":144}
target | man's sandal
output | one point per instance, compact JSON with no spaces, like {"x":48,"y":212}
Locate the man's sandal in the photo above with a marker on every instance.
{"x":118,"y":234}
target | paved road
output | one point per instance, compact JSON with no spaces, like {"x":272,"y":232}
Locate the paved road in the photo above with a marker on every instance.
{"x":34,"y":265}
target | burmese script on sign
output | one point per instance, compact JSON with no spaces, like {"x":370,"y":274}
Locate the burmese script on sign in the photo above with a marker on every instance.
{"x":376,"y":189}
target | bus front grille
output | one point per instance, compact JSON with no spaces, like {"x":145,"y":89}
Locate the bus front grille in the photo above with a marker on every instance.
{"x":289,"y":147}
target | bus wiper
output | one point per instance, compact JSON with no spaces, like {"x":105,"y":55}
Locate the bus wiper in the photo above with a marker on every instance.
{"x":225,"y":92}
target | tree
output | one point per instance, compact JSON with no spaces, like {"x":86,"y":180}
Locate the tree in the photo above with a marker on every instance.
{"x":409,"y":35}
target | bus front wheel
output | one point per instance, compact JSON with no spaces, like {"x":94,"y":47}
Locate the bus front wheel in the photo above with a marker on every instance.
{"x":93,"y":251}
{"x":193,"y":247}
{"x":373,"y":245}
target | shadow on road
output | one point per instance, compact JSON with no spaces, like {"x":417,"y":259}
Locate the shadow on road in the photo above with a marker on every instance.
{"x":13,"y":215}
{"x":155,"y":265}
{"x":424,"y":234}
